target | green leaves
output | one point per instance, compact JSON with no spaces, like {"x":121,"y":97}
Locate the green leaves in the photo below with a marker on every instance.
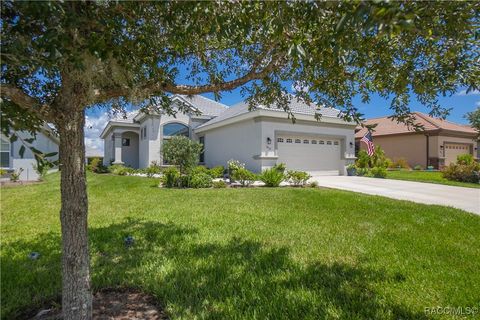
{"x":131,"y":51}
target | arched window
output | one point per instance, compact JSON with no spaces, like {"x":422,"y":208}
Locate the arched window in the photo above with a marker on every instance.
{"x":175,"y":129}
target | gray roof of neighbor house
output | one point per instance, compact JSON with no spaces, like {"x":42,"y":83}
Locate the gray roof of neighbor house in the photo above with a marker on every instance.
{"x":296,"y":106}
{"x":387,"y":126}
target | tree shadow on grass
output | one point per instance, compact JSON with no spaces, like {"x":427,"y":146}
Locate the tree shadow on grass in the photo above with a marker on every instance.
{"x":195,"y":278}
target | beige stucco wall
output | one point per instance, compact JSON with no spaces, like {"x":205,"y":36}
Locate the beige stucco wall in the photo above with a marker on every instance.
{"x":411,"y":147}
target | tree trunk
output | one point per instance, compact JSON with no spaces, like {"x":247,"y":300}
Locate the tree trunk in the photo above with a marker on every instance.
{"x":76,"y":293}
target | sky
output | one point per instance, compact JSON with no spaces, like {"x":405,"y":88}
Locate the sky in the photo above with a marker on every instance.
{"x":461,"y":103}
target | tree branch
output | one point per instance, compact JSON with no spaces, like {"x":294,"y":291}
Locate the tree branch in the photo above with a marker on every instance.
{"x":25,"y":101}
{"x":173,"y":88}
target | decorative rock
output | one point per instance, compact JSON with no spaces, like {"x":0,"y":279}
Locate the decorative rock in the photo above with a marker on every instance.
{"x":129,"y":241}
{"x":34,"y":255}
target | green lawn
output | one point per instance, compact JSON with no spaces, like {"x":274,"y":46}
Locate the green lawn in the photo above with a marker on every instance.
{"x":256,"y":253}
{"x":427,"y":176}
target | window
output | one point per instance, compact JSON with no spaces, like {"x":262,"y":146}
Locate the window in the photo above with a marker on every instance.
{"x":289,"y":140}
{"x":280,"y":140}
{"x":201,"y":140}
{"x":329,"y":142}
{"x":314,"y":141}
{"x":321,"y":142}
{"x":5,"y":153}
{"x":306,"y":141}
{"x":298,"y":141}
{"x":144,"y":132}
{"x":125,"y":142}
{"x":175,"y":129}
{"x":335,"y":143}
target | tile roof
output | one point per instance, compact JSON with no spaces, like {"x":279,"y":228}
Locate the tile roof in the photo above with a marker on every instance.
{"x":387,"y":126}
{"x":206,"y":106}
{"x":296,"y":106}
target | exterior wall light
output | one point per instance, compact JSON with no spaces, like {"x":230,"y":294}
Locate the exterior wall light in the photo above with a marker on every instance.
{"x":351,"y":144}
{"x":269,"y":141}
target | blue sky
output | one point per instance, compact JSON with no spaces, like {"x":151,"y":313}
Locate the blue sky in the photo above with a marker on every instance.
{"x":461,"y":103}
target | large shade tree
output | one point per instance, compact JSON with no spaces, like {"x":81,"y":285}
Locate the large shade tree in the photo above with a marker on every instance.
{"x":60,"y":58}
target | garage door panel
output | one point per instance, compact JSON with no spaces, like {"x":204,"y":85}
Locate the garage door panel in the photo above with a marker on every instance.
{"x":452,"y":150}
{"x":314,"y":154}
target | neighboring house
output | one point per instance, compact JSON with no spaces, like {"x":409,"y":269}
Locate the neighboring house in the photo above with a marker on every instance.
{"x":45,"y":141}
{"x":437,"y":145}
{"x":260,"y":138}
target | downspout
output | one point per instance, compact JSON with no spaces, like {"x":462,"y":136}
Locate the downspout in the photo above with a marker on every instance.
{"x":428,"y":147}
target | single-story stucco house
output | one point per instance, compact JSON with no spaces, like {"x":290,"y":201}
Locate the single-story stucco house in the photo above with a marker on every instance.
{"x":259,"y":138}
{"x":45,"y":141}
{"x":437,"y":145}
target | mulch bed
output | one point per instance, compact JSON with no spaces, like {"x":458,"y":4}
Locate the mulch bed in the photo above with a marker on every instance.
{"x":115,"y":304}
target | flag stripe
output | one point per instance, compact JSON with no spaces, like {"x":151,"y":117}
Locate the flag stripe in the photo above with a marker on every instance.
{"x":367,"y":139}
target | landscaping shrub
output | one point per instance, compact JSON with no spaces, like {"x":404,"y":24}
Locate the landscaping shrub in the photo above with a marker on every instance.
{"x":297,"y":178}
{"x":243,"y":176}
{"x":200,"y":180}
{"x":182,"y":152}
{"x":462,"y":172}
{"x":363,"y":172}
{"x":378,"y":172}
{"x":378,"y":159}
{"x":272,"y":177}
{"x":170,"y":177}
{"x":15,"y":175}
{"x":42,"y":167}
{"x":313,"y":184}
{"x":219,"y":184}
{"x":151,"y":170}
{"x":216,"y":172}
{"x":281,"y":167}
{"x":96,"y":166}
{"x":465,"y":159}
{"x":400,"y":163}
{"x":363,"y":159}
{"x":234,"y":165}
{"x":199,"y":169}
{"x":183,"y":181}
{"x":119,"y":169}
{"x":3,"y":172}
{"x":417,"y":167}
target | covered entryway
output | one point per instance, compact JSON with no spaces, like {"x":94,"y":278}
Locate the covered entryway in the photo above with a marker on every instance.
{"x":452,"y":150}
{"x":318,"y":155}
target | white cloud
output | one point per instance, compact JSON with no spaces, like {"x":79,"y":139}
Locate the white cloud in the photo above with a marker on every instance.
{"x":94,"y":126}
{"x":477,"y":104}
{"x":464,"y":93}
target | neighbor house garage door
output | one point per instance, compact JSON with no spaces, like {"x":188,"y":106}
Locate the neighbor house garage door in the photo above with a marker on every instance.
{"x":452,"y":150}
{"x":309,"y":154}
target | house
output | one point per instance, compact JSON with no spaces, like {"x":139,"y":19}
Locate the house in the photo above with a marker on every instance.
{"x":45,"y":141}
{"x":259,"y":138}
{"x":437,"y":145}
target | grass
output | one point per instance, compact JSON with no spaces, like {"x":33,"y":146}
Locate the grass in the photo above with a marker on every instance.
{"x":259,"y":253}
{"x":427,"y":176}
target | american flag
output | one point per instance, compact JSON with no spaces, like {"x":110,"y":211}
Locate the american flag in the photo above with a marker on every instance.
{"x":367,"y":138}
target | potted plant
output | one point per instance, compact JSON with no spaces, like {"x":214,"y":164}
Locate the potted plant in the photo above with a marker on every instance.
{"x":351,"y":169}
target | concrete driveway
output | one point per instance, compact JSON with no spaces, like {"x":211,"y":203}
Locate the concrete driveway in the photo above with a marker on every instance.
{"x":467,"y":199}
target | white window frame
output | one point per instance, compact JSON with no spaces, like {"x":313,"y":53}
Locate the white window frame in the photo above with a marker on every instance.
{"x":9,"y":151}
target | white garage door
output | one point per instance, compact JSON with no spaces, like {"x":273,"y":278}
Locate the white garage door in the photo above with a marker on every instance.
{"x":316,"y":155}
{"x":452,"y":150}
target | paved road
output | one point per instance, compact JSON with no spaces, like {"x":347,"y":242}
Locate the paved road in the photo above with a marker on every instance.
{"x":467,"y":199}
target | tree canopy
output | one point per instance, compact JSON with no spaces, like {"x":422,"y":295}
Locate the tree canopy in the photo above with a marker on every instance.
{"x":134,"y":51}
